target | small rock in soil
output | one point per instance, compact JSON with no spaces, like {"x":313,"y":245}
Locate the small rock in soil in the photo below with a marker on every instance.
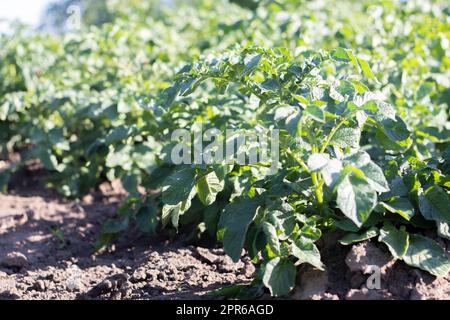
{"x":139,"y":275}
{"x":206,"y":256}
{"x":109,"y":286}
{"x":14,"y":260}
{"x":39,"y":285}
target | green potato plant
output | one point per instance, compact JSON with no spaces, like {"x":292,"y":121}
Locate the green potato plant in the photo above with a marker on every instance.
{"x":362,"y":115}
{"x":331,"y":174}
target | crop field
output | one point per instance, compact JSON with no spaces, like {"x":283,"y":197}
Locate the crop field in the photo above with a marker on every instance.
{"x":227,"y":149}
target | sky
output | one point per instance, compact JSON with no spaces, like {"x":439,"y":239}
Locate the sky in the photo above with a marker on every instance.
{"x":27,"y":11}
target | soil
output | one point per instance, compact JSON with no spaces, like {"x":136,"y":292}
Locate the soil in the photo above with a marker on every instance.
{"x":47,"y":252}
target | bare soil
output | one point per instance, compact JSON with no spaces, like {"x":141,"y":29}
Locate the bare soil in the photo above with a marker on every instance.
{"x":47,"y":252}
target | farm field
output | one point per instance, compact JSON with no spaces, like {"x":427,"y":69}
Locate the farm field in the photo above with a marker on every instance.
{"x":160,"y":268}
{"x":229,"y":149}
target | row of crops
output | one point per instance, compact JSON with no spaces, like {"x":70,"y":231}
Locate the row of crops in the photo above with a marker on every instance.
{"x":359,"y":92}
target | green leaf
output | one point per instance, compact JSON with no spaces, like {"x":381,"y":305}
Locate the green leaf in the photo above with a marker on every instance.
{"x":284,"y":112}
{"x":346,"y":225}
{"x":177,"y":193}
{"x":396,"y":240}
{"x":357,"y":159}
{"x":443,"y":230}
{"x":316,"y":113}
{"x":375,"y":177}
{"x":395,"y":130}
{"x":379,"y":110}
{"x":5,"y":176}
{"x":359,"y":86}
{"x":172,"y":213}
{"x":356,"y":199}
{"x":211,"y":218}
{"x":279,"y":276}
{"x":367,"y":71}
{"x":401,"y":206}
{"x":208,"y":186}
{"x":282,"y":216}
{"x":331,"y":172}
{"x":271,"y":84}
{"x":188,"y":86}
{"x":435,"y":204}
{"x":272,"y":237}
{"x":300,"y":99}
{"x":169,"y":96}
{"x":4,"y":111}
{"x":235,"y":220}
{"x":344,"y":55}
{"x":117,"y":134}
{"x":307,"y":252}
{"x":120,"y":156}
{"x":115,"y":226}
{"x":130,"y":184}
{"x":340,"y":54}
{"x":179,"y":187}
{"x":358,"y":237}
{"x":346,"y":138}
{"x":317,"y":161}
{"x":146,"y":218}
{"x":427,"y":255}
{"x":252,"y":63}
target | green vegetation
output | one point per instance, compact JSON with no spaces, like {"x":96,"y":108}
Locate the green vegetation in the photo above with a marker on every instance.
{"x":359,"y":91}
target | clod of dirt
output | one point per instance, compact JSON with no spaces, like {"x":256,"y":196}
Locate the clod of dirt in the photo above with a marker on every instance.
{"x":39,"y":285}
{"x":139,"y":275}
{"x":114,"y":284}
{"x":14,"y":260}
{"x":206,"y":256}
{"x":366,"y":294}
{"x":224,"y":263}
{"x":312,"y":285}
{"x":365,"y":256}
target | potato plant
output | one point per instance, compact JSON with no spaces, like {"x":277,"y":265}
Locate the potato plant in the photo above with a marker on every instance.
{"x":362,"y":116}
{"x":331,"y":172}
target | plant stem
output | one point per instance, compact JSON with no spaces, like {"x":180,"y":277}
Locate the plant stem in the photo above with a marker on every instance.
{"x":300,"y":161}
{"x":335,"y":129}
{"x":315,"y":177}
{"x":316,"y":180}
{"x":318,"y":189}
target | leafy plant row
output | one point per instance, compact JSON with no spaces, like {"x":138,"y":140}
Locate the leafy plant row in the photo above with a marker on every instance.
{"x":363,"y":149}
{"x":332,"y":174}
